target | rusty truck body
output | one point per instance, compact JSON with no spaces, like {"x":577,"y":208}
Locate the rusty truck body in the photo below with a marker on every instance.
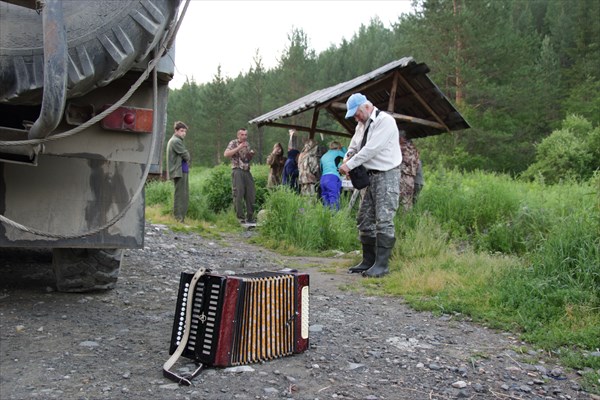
{"x":83,"y":97}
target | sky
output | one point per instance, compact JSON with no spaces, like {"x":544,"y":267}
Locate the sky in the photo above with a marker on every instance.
{"x":228,"y":33}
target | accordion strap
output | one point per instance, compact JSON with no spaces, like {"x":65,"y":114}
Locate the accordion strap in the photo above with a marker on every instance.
{"x":187,"y":378}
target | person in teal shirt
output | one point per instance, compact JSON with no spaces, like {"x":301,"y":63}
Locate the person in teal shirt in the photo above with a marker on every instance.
{"x":331,"y":182}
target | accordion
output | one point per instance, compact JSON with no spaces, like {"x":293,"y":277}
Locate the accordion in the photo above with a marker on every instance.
{"x":229,"y":320}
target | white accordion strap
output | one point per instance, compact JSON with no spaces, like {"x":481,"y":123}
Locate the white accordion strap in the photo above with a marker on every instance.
{"x":184,"y":380}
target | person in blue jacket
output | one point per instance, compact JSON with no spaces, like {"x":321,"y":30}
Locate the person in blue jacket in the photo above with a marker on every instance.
{"x":290,"y":170}
{"x":331,"y":181}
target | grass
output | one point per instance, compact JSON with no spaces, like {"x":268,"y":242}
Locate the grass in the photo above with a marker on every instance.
{"x":519,"y":256}
{"x":299,"y":222}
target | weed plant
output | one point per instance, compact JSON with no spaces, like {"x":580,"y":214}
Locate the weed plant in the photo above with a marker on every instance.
{"x":217,"y":190}
{"x":159,"y":192}
{"x":295,"y":221}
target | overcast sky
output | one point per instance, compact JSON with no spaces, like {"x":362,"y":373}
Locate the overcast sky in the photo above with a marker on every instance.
{"x":228,"y":32}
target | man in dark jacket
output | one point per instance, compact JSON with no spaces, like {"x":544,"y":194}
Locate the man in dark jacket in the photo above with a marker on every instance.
{"x":290,"y":170}
{"x":178,"y":159}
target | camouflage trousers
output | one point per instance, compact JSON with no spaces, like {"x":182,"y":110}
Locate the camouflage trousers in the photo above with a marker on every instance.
{"x":407,"y":190}
{"x":379,"y":205}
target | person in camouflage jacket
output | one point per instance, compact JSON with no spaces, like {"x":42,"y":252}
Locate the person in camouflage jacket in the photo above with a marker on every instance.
{"x":308,"y":167}
{"x":409,"y":167}
{"x":276,"y":162}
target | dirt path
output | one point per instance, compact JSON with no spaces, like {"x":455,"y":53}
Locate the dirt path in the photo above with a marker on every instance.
{"x":112,"y":345}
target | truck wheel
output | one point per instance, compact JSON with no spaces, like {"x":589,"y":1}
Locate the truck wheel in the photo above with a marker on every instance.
{"x":84,"y":270}
{"x":104,"y":40}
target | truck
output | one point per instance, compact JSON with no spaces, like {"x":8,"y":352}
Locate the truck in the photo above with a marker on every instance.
{"x":83,"y":101}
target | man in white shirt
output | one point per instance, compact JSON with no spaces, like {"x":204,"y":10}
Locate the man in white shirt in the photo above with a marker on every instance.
{"x":382,"y":157}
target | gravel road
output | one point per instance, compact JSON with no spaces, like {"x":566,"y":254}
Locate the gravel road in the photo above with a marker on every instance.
{"x":112,"y":345}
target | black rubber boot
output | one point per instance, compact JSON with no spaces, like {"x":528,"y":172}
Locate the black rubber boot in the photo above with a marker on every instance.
{"x":368,"y":247}
{"x":385,"y":245}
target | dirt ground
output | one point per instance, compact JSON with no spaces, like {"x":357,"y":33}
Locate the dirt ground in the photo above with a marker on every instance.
{"x":112,"y":345}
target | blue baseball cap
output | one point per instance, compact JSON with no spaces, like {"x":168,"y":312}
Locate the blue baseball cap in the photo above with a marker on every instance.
{"x":354,"y":101}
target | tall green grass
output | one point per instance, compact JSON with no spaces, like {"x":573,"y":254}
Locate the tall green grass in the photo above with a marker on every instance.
{"x":294,"y":221}
{"x":560,"y":287}
{"x":160,"y":193}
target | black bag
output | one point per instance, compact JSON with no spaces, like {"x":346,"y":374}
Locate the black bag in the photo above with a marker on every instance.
{"x":359,"y":177}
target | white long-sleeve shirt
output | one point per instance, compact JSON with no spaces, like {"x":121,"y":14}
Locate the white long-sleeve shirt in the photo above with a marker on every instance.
{"x":382,"y":150}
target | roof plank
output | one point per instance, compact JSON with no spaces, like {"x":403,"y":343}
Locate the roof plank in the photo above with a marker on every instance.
{"x":400,"y":87}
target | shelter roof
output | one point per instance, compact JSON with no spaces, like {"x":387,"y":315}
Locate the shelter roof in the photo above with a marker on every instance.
{"x":401,"y":88}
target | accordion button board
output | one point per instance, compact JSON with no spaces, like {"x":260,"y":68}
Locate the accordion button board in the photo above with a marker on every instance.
{"x":243,"y":319}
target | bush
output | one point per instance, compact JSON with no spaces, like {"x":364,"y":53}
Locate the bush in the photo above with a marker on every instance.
{"x":217,"y":188}
{"x":159,"y":192}
{"x":554,"y":297}
{"x":303,"y":222}
{"x":468,"y":204}
{"x":198,"y":208}
{"x":218,"y":192}
{"x":568,"y":153}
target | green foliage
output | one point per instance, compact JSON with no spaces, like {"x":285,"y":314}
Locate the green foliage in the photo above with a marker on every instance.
{"x":468,"y":204}
{"x":419,"y":235}
{"x":551,"y":294}
{"x":159,"y":192}
{"x":198,"y":208}
{"x":217,"y":188}
{"x":260,"y":173}
{"x":218,"y":192}
{"x":584,"y":100}
{"x":568,"y":153}
{"x":298,"y":221}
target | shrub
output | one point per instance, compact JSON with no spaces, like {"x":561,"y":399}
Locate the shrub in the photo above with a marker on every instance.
{"x":298,"y":221}
{"x":568,"y":153}
{"x":469,"y":204}
{"x":218,"y":191}
{"x":159,"y":192}
{"x":554,"y":297}
{"x":198,"y":207}
{"x":217,"y":188}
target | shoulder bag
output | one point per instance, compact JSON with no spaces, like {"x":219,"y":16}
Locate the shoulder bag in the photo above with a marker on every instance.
{"x":359,"y":175}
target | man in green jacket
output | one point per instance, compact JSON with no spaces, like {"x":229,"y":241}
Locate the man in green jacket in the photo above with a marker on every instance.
{"x":178,"y":159}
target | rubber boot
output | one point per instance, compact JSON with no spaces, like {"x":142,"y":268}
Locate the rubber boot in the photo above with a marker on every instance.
{"x":368,"y":247}
{"x":385,"y":245}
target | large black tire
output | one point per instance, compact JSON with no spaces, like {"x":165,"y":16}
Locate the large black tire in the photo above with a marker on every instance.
{"x":104,"y":40}
{"x":84,"y":270}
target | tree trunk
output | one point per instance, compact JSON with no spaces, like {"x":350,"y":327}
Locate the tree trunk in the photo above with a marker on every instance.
{"x":459,"y":97}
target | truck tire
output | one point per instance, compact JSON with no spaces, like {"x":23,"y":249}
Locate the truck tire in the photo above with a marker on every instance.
{"x":105,"y":38}
{"x":84,"y":270}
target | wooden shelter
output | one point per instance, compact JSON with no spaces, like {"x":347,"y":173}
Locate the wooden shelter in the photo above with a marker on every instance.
{"x":401,"y":88}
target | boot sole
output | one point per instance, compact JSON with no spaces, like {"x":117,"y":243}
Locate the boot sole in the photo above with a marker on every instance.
{"x":357,"y":271}
{"x":374,"y":276}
